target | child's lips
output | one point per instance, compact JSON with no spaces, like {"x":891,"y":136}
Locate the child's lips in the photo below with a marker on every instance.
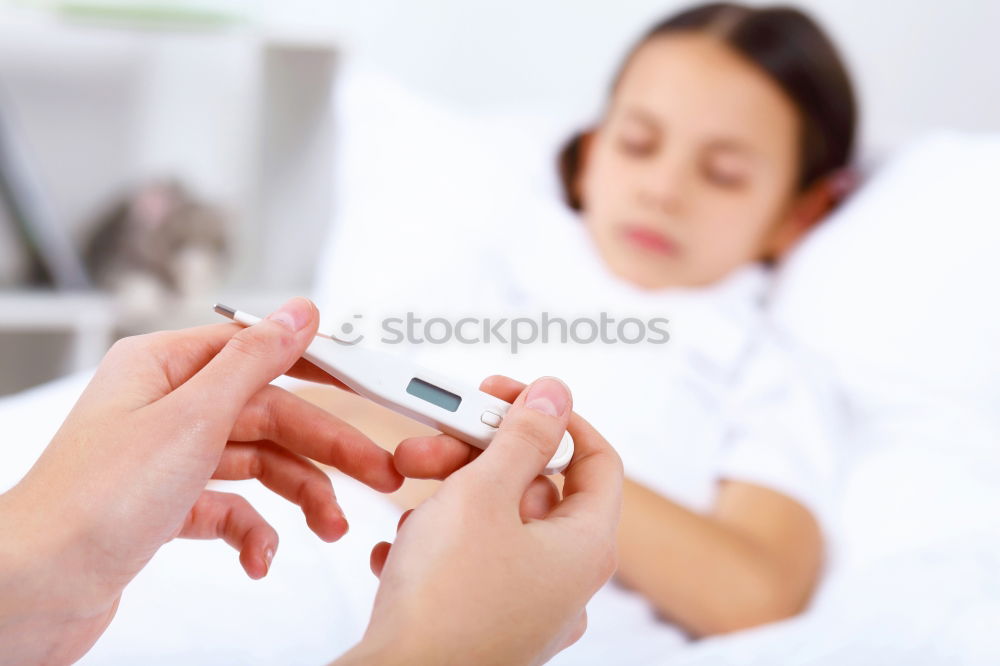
{"x":649,"y":240}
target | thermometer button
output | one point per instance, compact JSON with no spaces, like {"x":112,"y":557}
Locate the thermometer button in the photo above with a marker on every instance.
{"x":491,"y":419}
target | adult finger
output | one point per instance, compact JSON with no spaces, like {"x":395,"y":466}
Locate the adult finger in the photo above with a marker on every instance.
{"x":402,"y":519}
{"x":378,"y":557}
{"x":438,"y":456}
{"x":249,"y":360}
{"x":593,"y":481}
{"x":594,"y":478}
{"x":301,"y":427}
{"x":183,"y":353}
{"x":380,"y":552}
{"x":502,"y":387}
{"x":291,"y":476}
{"x":432,"y":456}
{"x":539,"y":499}
{"x":303,"y":369}
{"x":230,"y":517}
{"x":577,"y":631}
{"x":526,"y":440}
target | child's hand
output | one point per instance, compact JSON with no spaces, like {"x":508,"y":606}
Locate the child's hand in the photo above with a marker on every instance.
{"x":494,"y":567}
{"x":127,"y":471}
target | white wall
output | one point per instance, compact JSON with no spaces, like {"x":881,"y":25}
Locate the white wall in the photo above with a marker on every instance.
{"x":917,"y":63}
{"x":185,"y":101}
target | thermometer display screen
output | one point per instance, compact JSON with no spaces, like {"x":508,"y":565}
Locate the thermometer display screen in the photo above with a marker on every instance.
{"x":433,"y":394}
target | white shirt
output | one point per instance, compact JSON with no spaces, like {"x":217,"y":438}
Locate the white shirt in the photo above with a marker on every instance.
{"x":723,"y":398}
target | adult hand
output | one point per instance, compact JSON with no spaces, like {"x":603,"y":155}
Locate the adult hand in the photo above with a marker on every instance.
{"x":127,"y":472}
{"x":494,"y":567}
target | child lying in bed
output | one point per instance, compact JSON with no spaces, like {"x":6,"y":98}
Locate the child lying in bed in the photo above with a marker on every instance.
{"x":724,"y":140}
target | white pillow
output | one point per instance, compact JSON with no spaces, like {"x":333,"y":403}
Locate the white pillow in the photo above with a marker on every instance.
{"x":897,"y":296}
{"x":420,"y":186}
{"x":898,"y":289}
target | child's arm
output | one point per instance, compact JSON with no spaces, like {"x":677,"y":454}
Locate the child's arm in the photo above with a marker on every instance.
{"x":755,"y":559}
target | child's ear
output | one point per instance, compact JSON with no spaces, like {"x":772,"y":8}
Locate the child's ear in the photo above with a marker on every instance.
{"x":581,"y":158}
{"x":809,"y":208}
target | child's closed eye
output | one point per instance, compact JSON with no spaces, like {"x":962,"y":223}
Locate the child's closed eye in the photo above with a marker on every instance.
{"x":724,"y":172}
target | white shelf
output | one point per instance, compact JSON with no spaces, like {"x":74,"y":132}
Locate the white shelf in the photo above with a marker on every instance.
{"x":86,"y":324}
{"x":42,"y":310}
{"x":240,"y":114}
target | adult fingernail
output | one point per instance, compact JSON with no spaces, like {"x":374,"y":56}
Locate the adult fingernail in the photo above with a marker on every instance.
{"x":548,"y":395}
{"x":293,"y":315}
{"x":268,"y":557}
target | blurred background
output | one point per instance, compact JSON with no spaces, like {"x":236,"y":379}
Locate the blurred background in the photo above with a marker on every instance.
{"x":158,"y":156}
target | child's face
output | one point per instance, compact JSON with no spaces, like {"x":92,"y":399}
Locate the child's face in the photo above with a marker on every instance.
{"x":692,"y":173}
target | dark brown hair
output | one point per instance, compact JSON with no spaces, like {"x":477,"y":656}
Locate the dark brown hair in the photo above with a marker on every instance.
{"x":792,"y":49}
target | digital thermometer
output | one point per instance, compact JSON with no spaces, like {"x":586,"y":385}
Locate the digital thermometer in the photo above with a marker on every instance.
{"x":465,"y":413}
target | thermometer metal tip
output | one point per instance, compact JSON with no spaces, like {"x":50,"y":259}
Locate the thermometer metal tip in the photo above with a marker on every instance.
{"x":225,"y":310}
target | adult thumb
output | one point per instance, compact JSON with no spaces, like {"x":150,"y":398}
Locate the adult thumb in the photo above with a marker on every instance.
{"x":251,"y":359}
{"x":528,"y":437}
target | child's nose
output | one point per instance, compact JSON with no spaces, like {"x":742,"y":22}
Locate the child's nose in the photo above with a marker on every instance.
{"x":663,"y":185}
